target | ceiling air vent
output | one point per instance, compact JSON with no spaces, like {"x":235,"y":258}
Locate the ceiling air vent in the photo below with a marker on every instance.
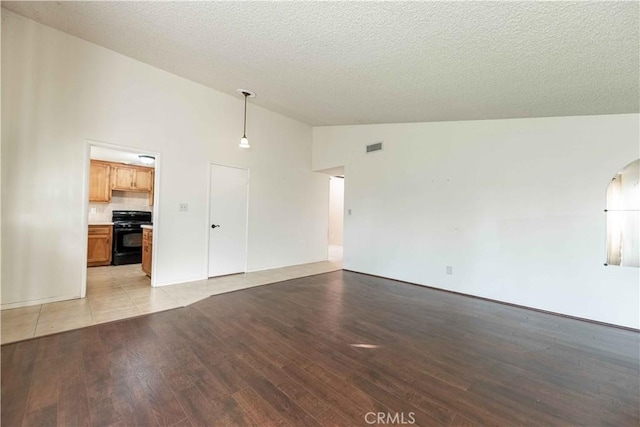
{"x":374,"y":147}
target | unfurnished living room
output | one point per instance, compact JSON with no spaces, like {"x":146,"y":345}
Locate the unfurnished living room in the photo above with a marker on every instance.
{"x":310,"y":213}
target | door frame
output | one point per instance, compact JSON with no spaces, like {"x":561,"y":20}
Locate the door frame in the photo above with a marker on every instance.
{"x":344,"y":211}
{"x":208,"y":217}
{"x":88,"y":143}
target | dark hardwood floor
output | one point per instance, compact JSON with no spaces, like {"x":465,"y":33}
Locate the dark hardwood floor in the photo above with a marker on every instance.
{"x":326,"y":350}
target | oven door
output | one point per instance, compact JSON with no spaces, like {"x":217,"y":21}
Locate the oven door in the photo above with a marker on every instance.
{"x":127,"y":240}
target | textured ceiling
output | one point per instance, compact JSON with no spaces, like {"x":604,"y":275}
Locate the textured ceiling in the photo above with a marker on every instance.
{"x":331,"y":63}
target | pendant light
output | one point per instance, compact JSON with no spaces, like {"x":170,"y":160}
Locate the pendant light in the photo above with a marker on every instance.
{"x":244,"y":142}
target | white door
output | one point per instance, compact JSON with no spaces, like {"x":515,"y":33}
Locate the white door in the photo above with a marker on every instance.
{"x":228,"y":220}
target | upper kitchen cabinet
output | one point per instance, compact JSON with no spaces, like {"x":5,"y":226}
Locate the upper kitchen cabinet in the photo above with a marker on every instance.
{"x":144,"y":179}
{"x":122,"y":178}
{"x":99,"y":181}
{"x":151,"y":194}
{"x":131,"y":178}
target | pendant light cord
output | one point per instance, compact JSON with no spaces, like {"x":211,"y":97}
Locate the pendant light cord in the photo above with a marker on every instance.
{"x":244,"y":135}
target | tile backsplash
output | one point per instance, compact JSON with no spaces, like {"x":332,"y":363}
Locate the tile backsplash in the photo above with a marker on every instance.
{"x":120,"y":200}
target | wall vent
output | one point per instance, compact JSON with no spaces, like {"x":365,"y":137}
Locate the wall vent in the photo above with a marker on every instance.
{"x":374,"y":147}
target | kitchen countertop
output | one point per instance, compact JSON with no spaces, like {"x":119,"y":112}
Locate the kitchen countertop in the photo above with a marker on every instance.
{"x":148,"y":227}
{"x":100,"y":223}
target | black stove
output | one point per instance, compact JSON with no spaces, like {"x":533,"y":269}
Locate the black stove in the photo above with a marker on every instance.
{"x":130,"y":224}
{"x":127,"y":236}
{"x":141,"y":217}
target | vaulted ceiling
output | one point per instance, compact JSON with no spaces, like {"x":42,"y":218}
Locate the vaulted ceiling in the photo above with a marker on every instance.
{"x":333,"y":63}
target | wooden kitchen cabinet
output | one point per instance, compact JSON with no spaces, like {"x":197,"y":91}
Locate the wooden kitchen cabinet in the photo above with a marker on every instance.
{"x":147,"y":250}
{"x":131,"y":178}
{"x":106,"y":177}
{"x":143,"y":180}
{"x":122,"y":178}
{"x":99,"y":181}
{"x":99,"y":245}
{"x":151,"y":194}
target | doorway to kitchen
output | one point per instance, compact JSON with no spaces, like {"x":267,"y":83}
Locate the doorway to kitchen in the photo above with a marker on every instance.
{"x":228,"y":219}
{"x":120,"y":215}
{"x":336,"y":218}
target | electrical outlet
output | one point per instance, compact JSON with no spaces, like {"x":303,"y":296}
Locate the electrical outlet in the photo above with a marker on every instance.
{"x":183,"y":207}
{"x":348,"y":211}
{"x":93,"y":210}
{"x":449,"y":269}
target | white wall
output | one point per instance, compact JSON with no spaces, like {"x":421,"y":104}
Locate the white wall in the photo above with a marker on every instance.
{"x":336,"y":210}
{"x":59,"y":91}
{"x":514,"y":206}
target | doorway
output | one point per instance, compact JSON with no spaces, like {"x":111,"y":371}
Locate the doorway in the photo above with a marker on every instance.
{"x":121,"y":193}
{"x":228,"y":203}
{"x":336,"y":218}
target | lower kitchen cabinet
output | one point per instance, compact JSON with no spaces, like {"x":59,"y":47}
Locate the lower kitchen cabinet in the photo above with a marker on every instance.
{"x":147,"y":250}
{"x":99,"y":245}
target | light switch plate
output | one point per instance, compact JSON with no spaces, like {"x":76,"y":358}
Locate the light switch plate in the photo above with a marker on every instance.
{"x":183,"y":207}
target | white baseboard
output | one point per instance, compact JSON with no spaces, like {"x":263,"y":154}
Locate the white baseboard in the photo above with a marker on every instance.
{"x":286,"y":265}
{"x":37,"y":302}
{"x":180,"y":281}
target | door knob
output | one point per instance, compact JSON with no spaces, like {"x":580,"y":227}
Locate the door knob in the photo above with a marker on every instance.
{"x":214,"y":226}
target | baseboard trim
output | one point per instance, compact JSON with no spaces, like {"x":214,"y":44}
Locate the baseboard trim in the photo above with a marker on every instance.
{"x":287,"y":266}
{"x":180,"y":282}
{"x":539,"y":310}
{"x":20,"y":304}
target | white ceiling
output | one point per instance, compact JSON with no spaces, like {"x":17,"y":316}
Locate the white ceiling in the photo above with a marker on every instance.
{"x":109,"y":155}
{"x":332,"y":63}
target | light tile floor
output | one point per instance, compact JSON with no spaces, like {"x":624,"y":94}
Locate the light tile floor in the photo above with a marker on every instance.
{"x":118,"y":292}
